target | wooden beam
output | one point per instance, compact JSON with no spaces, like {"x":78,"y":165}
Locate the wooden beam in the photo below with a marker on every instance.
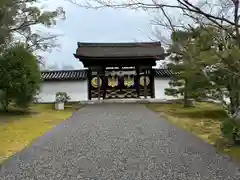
{"x":137,"y":82}
{"x":89,"y":84}
{"x":152,"y":83}
{"x":145,"y":85}
{"x":99,"y":87}
{"x":104,"y":83}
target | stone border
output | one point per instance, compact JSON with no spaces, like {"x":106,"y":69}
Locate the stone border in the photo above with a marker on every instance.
{"x":129,"y":101}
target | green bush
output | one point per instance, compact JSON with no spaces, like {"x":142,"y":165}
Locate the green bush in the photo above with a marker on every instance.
{"x":20,"y":76}
{"x":231,"y":131}
{"x":227,"y":128}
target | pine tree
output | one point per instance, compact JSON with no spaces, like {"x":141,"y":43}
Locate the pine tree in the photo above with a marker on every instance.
{"x":187,"y":80}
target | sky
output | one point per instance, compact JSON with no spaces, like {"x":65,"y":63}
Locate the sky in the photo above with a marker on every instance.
{"x":88,"y":25}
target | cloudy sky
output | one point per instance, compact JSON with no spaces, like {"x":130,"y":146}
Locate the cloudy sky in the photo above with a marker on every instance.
{"x":87,"y":25}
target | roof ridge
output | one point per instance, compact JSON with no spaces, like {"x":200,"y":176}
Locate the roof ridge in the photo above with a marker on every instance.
{"x":116,"y":44}
{"x":64,"y":70}
{"x":72,"y":70}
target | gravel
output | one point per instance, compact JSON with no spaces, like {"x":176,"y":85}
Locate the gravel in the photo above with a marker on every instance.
{"x":118,"y":142}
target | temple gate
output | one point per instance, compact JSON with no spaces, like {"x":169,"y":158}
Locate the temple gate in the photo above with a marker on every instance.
{"x":120,"y":70}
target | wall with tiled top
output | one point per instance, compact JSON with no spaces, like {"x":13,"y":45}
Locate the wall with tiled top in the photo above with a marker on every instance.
{"x":78,"y":91}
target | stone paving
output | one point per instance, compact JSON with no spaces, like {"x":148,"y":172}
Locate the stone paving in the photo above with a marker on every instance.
{"x":118,"y":142}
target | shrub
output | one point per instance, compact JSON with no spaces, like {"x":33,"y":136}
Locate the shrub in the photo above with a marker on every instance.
{"x":62,"y":97}
{"x":230,"y":130}
{"x":227,"y":128}
{"x":20,"y":76}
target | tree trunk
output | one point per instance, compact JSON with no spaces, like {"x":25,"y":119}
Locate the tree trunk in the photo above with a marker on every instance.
{"x":232,"y":94}
{"x":232,"y":106}
{"x":5,"y":107}
{"x":186,"y":101}
{"x":185,"y":97}
{"x":236,"y":101}
{"x":5,"y":103}
{"x":236,"y":93}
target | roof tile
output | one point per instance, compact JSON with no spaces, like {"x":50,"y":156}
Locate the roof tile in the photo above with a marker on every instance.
{"x":82,"y":74}
{"x":163,"y":73}
{"x":64,"y":75}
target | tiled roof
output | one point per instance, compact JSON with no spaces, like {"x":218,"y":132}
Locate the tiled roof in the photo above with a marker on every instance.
{"x":163,"y":73}
{"x":82,"y":74}
{"x":101,"y":50}
{"x":64,"y":75}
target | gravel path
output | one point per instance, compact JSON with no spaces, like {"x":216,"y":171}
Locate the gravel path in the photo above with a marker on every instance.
{"x":118,"y":142}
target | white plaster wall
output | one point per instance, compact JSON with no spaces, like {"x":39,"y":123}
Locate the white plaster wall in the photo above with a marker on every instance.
{"x":160,"y":85}
{"x":77,"y":90}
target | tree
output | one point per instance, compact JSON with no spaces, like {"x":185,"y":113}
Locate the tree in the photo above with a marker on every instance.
{"x":188,"y":79}
{"x":223,"y":56}
{"x":217,"y":56}
{"x":20,"y":74}
{"x":19,"y":17}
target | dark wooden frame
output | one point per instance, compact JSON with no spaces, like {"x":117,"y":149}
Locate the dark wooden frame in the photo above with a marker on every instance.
{"x":140,"y":64}
{"x":89,"y":84}
{"x":141,"y":91}
{"x":152,"y":82}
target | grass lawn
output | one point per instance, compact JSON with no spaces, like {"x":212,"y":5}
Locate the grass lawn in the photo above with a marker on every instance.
{"x":204,"y":121}
{"x":18,"y":129}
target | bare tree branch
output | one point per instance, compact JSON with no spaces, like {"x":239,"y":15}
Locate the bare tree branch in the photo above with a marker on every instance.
{"x":137,"y":4}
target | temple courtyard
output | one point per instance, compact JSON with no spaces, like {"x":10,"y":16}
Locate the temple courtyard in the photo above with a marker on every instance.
{"x":118,"y":142}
